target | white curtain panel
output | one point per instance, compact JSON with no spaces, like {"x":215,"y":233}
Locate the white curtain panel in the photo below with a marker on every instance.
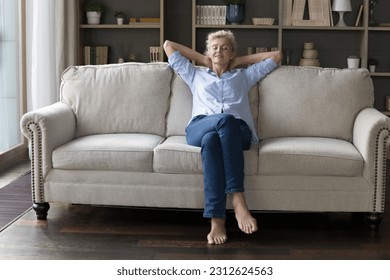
{"x":51,"y":47}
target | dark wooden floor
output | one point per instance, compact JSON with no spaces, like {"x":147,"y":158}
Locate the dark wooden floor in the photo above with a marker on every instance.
{"x":87,"y":232}
{"x":15,"y":199}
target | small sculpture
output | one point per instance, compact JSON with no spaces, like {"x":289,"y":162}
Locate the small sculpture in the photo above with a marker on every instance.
{"x":372,"y":20}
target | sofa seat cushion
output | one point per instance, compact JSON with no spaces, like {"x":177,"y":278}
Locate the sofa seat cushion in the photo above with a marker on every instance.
{"x":122,"y":152}
{"x":309,"y":156}
{"x":174,"y":155}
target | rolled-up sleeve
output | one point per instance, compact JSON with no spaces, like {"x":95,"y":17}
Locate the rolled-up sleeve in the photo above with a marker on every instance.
{"x":183,"y":67}
{"x":259,"y":70}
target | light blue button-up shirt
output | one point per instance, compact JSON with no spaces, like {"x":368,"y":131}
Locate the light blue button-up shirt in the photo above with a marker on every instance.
{"x":228,"y":94}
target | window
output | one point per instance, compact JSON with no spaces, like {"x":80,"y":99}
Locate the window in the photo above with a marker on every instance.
{"x":11,"y":98}
{"x":9,"y":75}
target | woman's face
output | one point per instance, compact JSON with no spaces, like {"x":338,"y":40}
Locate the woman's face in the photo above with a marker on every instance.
{"x":220,"y":51}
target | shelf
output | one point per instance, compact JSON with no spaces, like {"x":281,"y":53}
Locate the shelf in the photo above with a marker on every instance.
{"x":126,"y":41}
{"x":386,"y":113}
{"x":249,"y":26}
{"x":124,"y":26}
{"x":378,"y":28}
{"x":329,"y":28}
{"x":380,"y":74}
{"x":237,"y":26}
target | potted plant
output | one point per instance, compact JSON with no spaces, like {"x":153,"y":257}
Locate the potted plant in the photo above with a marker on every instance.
{"x":235,"y":11}
{"x":372,"y":64}
{"x":120,"y":15}
{"x":94,"y":12}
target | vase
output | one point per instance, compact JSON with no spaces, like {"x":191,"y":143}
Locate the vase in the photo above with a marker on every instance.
{"x":235,"y":14}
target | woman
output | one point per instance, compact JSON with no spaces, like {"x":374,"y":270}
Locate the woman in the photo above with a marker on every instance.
{"x":221,"y":123}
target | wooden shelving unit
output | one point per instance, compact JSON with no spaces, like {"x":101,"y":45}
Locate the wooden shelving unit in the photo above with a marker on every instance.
{"x":334,"y":43}
{"x":129,"y":39}
{"x":124,"y":26}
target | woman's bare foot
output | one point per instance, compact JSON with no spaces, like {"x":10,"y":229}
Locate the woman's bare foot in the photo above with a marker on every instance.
{"x":246,"y":222}
{"x":217,"y":234}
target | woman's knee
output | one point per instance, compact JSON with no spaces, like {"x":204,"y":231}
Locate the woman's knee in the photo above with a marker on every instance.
{"x":227,"y":120}
{"x":210,"y":139}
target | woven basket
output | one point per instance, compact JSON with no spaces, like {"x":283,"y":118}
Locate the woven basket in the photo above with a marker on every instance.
{"x":263,"y":21}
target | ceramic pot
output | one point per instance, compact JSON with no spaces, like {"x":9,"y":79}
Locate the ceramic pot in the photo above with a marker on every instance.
{"x":235,"y":14}
{"x":119,"y":21}
{"x":94,"y":17}
{"x":353,"y":62}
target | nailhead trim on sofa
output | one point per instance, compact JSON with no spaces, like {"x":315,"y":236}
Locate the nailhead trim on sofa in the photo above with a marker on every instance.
{"x":33,"y":127}
{"x":384,"y":158}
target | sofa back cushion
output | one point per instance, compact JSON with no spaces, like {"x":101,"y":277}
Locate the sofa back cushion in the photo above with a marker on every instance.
{"x":118,"y":98}
{"x":313,"y":102}
{"x":181,"y":106}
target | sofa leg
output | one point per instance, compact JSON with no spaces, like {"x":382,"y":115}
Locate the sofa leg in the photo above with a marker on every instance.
{"x":373,"y":220}
{"x":41,"y":210}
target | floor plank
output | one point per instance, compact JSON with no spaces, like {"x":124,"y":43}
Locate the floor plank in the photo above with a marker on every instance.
{"x":15,"y":199}
{"x":88,"y":232}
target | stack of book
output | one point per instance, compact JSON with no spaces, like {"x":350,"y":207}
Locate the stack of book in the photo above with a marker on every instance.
{"x":319,"y":13}
{"x":211,"y":14}
{"x":95,"y":55}
{"x":253,"y":50}
{"x":156,"y":54}
{"x":144,"y":20}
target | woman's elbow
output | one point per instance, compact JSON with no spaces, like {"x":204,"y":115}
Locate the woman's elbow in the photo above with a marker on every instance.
{"x":277,"y":58}
{"x":168,"y":47}
{"x":166,"y":44}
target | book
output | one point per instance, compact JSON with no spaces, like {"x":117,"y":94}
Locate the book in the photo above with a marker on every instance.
{"x":359,"y":15}
{"x":253,"y":50}
{"x":210,"y":15}
{"x":144,"y":20}
{"x":298,"y":10}
{"x":155,"y":54}
{"x":95,"y":55}
{"x":149,"y":20}
{"x":287,"y":10}
{"x":318,"y":12}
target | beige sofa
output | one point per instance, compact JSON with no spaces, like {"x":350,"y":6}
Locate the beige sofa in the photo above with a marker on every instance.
{"x":117,"y":138}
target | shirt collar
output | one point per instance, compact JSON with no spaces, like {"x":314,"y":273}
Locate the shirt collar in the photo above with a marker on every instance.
{"x":231,"y":71}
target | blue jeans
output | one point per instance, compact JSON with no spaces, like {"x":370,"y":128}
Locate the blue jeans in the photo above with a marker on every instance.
{"x":223,"y":138}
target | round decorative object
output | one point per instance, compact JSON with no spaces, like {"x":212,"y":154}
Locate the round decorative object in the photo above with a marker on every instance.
{"x":235,"y":14}
{"x":310,"y":54}
{"x":308,"y":46}
{"x":309,"y":62}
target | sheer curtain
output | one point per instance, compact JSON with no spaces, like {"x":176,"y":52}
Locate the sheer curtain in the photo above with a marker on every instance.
{"x":51,"y":47}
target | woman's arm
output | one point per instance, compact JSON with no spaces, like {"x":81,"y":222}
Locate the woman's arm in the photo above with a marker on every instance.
{"x":170,"y":47}
{"x":276,"y":56}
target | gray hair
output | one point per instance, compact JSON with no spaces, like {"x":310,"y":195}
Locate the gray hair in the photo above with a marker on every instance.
{"x":222,"y":34}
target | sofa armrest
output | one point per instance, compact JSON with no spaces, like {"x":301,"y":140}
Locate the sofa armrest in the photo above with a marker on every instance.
{"x":371,"y":137}
{"x":46,"y":128}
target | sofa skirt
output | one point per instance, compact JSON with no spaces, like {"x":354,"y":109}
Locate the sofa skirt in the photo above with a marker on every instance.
{"x":263,"y":193}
